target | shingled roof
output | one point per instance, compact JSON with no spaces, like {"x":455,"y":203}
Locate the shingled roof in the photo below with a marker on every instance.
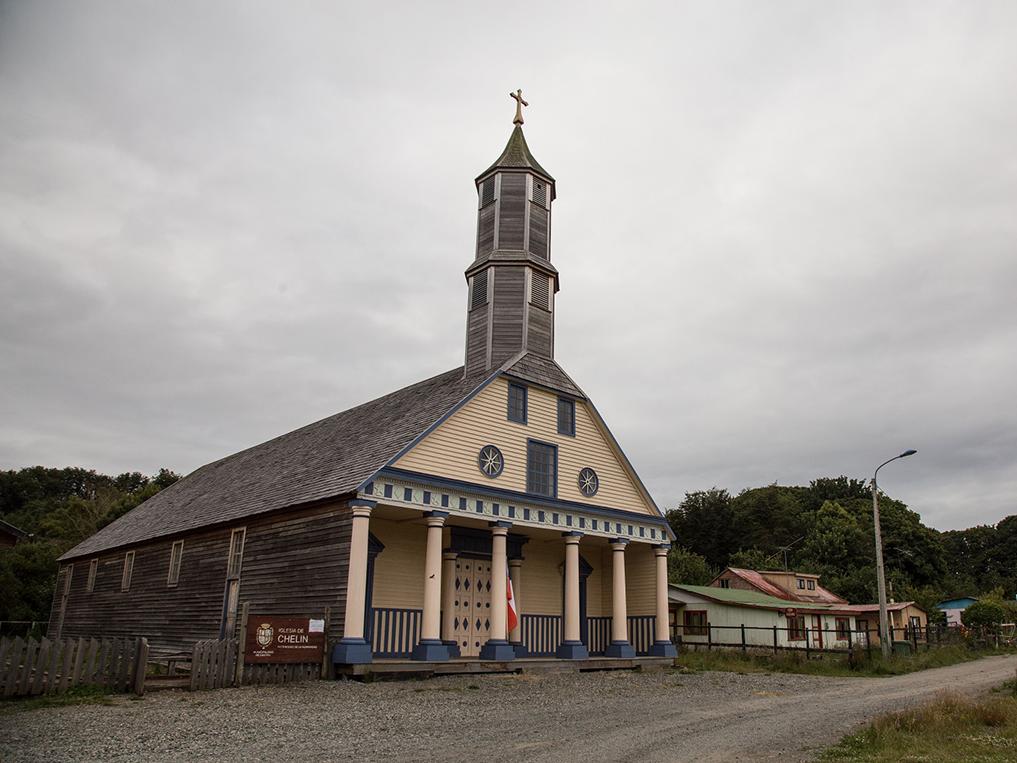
{"x":543,"y":371}
{"x":327,"y":459}
{"x":516,"y":156}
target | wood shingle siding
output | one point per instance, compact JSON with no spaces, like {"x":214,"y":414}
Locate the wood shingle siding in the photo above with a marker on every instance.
{"x":451,"y":449}
{"x":538,"y":231}
{"x":294,"y":563}
{"x":539,"y":332}
{"x":485,"y":231}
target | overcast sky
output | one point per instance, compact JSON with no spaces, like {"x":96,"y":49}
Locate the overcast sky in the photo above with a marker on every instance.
{"x":786,"y":230}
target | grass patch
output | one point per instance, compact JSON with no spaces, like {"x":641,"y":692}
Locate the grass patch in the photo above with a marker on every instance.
{"x":952,"y":728}
{"x":77,"y":695}
{"x":827,"y":664}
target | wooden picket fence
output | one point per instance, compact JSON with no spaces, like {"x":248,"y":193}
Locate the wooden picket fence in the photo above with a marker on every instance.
{"x":219,"y":663}
{"x":214,"y":664}
{"x":30,"y":667}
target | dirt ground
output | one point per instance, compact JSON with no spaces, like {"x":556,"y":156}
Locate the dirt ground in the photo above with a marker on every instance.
{"x":663,"y":716}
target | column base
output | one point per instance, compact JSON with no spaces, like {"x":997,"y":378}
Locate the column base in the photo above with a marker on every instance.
{"x":663,"y":649}
{"x":430,"y":650}
{"x":572,"y":650}
{"x":499,"y":650}
{"x":520,"y":649}
{"x":352,"y":651}
{"x":453,"y":649}
{"x":622,"y":649}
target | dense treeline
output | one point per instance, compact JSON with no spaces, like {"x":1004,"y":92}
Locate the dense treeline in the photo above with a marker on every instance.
{"x":59,"y":508}
{"x":826,"y":528}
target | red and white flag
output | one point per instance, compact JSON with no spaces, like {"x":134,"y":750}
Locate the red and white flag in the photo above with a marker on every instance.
{"x":512,"y":617}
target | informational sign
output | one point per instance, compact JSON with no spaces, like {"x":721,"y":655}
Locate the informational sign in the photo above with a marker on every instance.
{"x":284,"y":639}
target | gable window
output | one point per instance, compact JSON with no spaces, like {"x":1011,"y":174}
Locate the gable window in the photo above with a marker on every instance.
{"x":566,"y":416}
{"x":812,"y":585}
{"x":125,"y":581}
{"x":517,"y":403}
{"x":796,"y":628}
{"x":725,"y":583}
{"x":801,"y":584}
{"x":93,"y":568}
{"x":843,"y":626}
{"x":541,"y":469}
{"x":695,"y":622}
{"x":236,"y":558}
{"x":176,"y":554}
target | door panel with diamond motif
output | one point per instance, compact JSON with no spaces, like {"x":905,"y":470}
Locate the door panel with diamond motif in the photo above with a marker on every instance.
{"x":472,"y":601}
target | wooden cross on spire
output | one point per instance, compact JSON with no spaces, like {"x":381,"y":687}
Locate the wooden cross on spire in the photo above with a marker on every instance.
{"x":518,"y":97}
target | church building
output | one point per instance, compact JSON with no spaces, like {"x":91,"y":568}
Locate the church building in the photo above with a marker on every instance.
{"x":486,"y":513}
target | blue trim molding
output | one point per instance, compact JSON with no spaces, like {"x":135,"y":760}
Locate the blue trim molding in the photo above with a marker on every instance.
{"x":525,"y":499}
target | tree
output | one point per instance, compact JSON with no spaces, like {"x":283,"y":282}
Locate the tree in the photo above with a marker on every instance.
{"x":684,"y":566}
{"x":703,"y":524}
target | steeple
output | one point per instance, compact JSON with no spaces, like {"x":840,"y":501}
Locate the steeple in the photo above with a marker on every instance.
{"x":512,"y":282}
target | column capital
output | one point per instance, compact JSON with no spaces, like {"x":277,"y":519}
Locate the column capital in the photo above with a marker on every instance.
{"x":436,"y":518}
{"x":619,"y":544}
{"x":572,"y":538}
{"x":500,"y":528}
{"x":515,"y":562}
{"x":450,"y":555}
{"x":662,"y":549}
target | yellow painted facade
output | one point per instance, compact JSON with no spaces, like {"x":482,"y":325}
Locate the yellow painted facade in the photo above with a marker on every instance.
{"x":451,"y":450}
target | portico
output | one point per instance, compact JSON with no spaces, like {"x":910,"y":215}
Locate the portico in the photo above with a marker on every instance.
{"x":438,"y":586}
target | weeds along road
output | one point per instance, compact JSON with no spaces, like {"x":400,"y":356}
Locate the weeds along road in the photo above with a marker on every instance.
{"x":665,"y":716}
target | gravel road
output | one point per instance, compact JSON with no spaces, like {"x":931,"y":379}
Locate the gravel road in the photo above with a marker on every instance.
{"x":659,"y":716}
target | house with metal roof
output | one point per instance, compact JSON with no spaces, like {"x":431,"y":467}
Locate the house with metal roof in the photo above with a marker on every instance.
{"x":10,"y":535}
{"x":954,"y":608}
{"x":486,"y":513}
{"x":717,"y":616}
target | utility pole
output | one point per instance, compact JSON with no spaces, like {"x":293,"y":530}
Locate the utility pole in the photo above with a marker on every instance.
{"x":884,"y":620}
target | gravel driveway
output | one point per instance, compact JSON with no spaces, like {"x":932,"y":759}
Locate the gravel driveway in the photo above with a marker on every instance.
{"x":542,"y":717}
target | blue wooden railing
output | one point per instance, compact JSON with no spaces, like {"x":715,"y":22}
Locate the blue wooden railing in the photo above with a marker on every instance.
{"x":394,"y":632}
{"x":541,"y":634}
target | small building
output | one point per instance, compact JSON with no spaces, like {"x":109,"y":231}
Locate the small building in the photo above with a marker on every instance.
{"x":714,"y":615}
{"x":405,"y":517}
{"x":954,"y":608}
{"x":907,"y":621}
{"x":10,"y":535}
{"x":793,"y":586}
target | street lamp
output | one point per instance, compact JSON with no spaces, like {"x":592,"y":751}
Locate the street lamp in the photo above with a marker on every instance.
{"x":884,"y":620}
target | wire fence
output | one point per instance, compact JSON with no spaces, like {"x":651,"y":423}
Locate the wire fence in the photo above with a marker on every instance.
{"x":840,"y":640}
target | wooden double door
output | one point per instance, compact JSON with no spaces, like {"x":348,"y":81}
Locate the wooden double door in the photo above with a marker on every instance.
{"x":472,"y":605}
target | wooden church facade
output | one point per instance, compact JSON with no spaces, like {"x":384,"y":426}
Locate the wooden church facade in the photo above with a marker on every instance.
{"x":406,"y":517}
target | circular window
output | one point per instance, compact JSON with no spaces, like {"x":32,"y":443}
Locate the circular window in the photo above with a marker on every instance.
{"x":589,"y":483}
{"x":490,"y":461}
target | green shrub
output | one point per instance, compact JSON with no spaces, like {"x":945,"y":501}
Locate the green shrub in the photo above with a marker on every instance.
{"x":985,"y":612}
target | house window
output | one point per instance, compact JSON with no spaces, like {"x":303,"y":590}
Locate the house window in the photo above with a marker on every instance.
{"x":93,"y":568}
{"x":176,"y":554}
{"x":725,"y":583}
{"x":541,"y":469}
{"x":812,"y":585}
{"x":695,"y":622}
{"x":517,"y":403}
{"x":796,"y":628}
{"x":801,"y":584}
{"x":843,"y":627}
{"x":566,"y":416}
{"x":125,"y":581}
{"x":236,"y":558}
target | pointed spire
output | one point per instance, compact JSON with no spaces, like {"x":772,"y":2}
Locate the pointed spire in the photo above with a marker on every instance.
{"x":516,"y":156}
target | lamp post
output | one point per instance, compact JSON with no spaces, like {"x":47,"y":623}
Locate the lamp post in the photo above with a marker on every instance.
{"x":884,"y":624}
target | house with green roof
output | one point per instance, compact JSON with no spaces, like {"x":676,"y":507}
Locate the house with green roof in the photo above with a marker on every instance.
{"x":710,"y":615}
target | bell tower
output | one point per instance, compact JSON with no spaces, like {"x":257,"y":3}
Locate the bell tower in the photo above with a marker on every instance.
{"x":512,"y":282}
